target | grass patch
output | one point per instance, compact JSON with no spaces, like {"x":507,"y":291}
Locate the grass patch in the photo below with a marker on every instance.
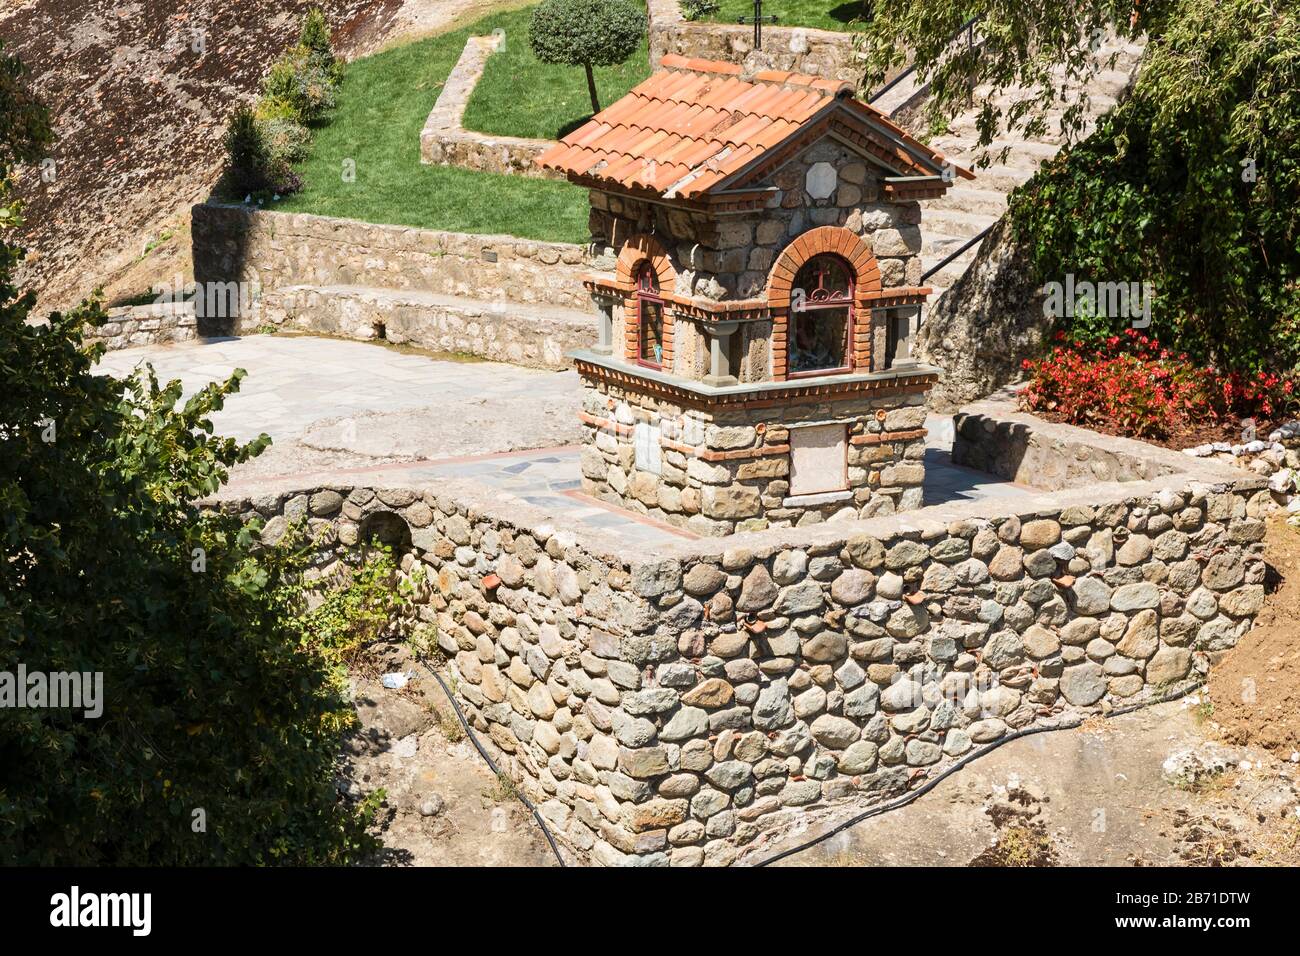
{"x":382,"y":105}
{"x":816,"y":14}
{"x":519,"y":95}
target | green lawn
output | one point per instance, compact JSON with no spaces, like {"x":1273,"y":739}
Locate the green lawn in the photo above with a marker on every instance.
{"x":818,"y":14}
{"x":382,"y":106}
{"x":521,"y":96}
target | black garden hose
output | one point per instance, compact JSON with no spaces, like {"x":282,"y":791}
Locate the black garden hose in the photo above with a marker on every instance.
{"x":495,"y":769}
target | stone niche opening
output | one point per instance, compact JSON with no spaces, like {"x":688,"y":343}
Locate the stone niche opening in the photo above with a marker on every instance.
{"x":759,"y":241}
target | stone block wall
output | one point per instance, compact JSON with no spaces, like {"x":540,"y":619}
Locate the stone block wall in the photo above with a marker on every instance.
{"x":695,"y":704}
{"x":716,"y":469}
{"x":445,"y":142}
{"x":824,"y":53}
{"x":152,"y":324}
{"x":534,"y":336}
{"x":993,"y":436}
{"x":270,"y":250}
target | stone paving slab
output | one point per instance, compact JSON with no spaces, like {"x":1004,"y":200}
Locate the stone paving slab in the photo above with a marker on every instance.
{"x":354,"y":412}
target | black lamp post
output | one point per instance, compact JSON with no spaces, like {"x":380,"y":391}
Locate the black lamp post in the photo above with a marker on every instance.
{"x":758,"y":20}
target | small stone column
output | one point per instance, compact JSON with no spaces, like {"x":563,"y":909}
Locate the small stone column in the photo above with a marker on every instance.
{"x":604,"y":325}
{"x":901,"y":327}
{"x":720,"y":370}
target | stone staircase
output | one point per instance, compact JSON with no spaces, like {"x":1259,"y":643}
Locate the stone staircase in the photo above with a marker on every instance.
{"x":970,"y":207}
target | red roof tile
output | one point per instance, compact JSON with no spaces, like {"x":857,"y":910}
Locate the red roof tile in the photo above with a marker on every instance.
{"x":696,"y":123}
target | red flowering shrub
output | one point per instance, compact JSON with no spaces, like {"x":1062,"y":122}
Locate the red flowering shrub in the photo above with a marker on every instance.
{"x":1130,"y":384}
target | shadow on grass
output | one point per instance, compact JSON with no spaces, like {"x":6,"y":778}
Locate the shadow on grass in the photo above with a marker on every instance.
{"x":849,"y":12}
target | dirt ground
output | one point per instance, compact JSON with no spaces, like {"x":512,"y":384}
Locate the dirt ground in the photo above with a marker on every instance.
{"x":1254,"y":693}
{"x":1095,"y":796}
{"x":444,"y":806}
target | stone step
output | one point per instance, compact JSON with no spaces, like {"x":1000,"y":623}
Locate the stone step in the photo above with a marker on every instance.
{"x":535,"y":335}
{"x":988,"y":202}
{"x":970,"y":207}
{"x":938,"y":244}
{"x":966,"y":127}
{"x":953,"y":222}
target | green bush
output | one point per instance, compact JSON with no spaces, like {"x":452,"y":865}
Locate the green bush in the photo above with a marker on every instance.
{"x":224,"y":710}
{"x":263,"y":144}
{"x":248,"y":161}
{"x":287,"y":141}
{"x":586,"y":33}
{"x":1163,"y":191}
{"x":1190,"y":184}
{"x":698,"y":9}
{"x":224,"y":700}
{"x":302,"y":82}
{"x":315,"y":37}
{"x":365,"y":602}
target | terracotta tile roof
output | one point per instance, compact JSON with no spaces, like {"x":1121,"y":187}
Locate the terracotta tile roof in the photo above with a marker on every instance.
{"x":696,"y":123}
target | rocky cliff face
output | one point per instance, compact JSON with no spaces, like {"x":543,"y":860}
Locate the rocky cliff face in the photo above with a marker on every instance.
{"x":985,"y":325}
{"x":139,"y":93}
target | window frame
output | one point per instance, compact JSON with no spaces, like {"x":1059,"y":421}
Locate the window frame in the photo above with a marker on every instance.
{"x":649,"y":292}
{"x":809,"y":305}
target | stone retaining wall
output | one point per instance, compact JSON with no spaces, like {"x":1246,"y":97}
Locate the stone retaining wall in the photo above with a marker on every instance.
{"x":698,"y":702}
{"x":445,"y":142}
{"x":533,"y":336}
{"x":272,"y":250}
{"x":152,"y":324}
{"x":993,"y":436}
{"x":824,"y":53}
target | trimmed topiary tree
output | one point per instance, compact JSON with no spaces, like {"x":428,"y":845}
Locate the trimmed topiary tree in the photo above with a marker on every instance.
{"x":586,"y":33}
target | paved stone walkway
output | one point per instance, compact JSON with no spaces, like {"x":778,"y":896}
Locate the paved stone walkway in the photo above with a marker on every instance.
{"x":490,"y":423}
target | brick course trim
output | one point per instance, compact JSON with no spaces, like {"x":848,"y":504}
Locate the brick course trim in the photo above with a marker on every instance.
{"x":797,"y":393}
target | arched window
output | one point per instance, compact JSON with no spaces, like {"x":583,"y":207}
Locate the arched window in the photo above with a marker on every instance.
{"x":650,"y":318}
{"x":821,"y":317}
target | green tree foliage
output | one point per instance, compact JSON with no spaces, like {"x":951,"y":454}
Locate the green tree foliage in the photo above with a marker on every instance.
{"x":1191,"y":183}
{"x":315,"y":37}
{"x":24,"y":122}
{"x":222,"y":708}
{"x":1046,"y":46}
{"x":586,"y":33}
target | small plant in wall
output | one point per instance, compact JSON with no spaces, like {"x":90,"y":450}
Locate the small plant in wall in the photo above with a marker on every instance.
{"x":586,"y":33}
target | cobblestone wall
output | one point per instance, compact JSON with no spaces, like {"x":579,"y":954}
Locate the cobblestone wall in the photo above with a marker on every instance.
{"x":694,"y":704}
{"x":993,"y":436}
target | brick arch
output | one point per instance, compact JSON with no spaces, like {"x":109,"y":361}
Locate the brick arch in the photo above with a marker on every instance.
{"x":643,"y":247}
{"x":850,"y":247}
{"x":638,"y":249}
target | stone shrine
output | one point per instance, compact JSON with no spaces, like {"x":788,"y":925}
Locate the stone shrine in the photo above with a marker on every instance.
{"x":751,"y":366}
